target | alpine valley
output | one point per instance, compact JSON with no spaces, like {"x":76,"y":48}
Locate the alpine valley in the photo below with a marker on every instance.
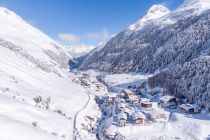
{"x":148,"y":82}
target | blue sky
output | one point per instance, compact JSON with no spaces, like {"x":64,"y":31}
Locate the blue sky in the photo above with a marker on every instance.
{"x":82,"y":21}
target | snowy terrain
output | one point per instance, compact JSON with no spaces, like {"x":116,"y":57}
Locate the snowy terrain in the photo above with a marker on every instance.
{"x":20,"y":83}
{"x":41,"y":99}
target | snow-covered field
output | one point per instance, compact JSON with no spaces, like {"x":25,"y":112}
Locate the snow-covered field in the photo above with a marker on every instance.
{"x":117,"y":82}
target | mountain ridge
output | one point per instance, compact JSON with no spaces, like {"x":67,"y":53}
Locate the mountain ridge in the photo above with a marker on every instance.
{"x":179,"y":39}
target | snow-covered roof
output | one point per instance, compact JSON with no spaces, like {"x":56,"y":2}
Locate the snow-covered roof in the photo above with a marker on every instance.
{"x":188,"y":106}
{"x":134,"y":98}
{"x":111,"y":95}
{"x":127,"y":91}
{"x":137,"y":115}
{"x":144,"y":100}
{"x":111,"y":130}
{"x":166,"y":98}
{"x":122,"y":116}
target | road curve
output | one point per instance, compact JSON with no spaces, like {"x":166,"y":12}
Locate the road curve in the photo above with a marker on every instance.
{"x":75,"y":132}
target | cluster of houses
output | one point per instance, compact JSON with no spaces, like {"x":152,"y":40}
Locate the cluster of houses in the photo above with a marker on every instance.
{"x":184,"y":106}
{"x":129,"y":108}
{"x":87,"y":82}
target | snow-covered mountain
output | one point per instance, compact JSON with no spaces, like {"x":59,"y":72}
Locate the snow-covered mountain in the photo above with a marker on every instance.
{"x":156,"y":11}
{"x":79,"y":50}
{"x":37,"y":95}
{"x":164,"y":41}
{"x":27,"y":41}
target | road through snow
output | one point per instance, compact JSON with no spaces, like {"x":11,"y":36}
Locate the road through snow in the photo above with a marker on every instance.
{"x":75,"y":132}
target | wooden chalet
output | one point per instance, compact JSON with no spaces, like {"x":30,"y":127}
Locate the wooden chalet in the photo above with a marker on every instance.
{"x":146,"y":105}
{"x":139,"y":118}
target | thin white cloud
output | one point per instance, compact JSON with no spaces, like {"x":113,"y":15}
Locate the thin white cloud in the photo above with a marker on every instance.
{"x":100,"y":36}
{"x":68,"y":38}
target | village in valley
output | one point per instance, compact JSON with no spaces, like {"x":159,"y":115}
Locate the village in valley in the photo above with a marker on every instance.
{"x":128,"y":107}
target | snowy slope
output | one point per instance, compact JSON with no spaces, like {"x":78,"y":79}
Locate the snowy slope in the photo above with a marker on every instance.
{"x":30,"y":41}
{"x":20,"y":82}
{"x":32,"y":66}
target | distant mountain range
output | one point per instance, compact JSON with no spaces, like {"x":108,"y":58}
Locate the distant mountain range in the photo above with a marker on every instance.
{"x":79,"y":50}
{"x":174,"y":44}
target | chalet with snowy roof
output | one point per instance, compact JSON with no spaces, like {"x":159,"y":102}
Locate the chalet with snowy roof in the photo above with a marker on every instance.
{"x":122,"y":119}
{"x":110,"y":132}
{"x":139,"y":118}
{"x":135,"y":100}
{"x":189,"y":108}
{"x":158,"y":115}
{"x":146,"y":105}
{"x":168,"y":100}
{"x":127,"y":93}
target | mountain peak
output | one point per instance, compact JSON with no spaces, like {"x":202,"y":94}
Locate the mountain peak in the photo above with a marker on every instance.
{"x":156,"y":11}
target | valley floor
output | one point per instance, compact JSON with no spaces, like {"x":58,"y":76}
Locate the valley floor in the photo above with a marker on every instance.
{"x":179,"y":125}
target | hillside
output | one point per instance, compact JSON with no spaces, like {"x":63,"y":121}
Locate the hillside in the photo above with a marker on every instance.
{"x":153,"y":44}
{"x":36,"y":89}
{"x":172,"y":43}
{"x":22,"y":38}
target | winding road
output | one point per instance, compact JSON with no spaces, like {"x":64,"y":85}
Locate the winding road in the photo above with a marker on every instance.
{"x":75,"y":132}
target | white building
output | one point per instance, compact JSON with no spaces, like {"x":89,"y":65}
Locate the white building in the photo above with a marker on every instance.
{"x":122,"y":119}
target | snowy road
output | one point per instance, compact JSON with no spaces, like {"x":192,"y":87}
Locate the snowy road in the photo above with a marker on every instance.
{"x":75,"y":132}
